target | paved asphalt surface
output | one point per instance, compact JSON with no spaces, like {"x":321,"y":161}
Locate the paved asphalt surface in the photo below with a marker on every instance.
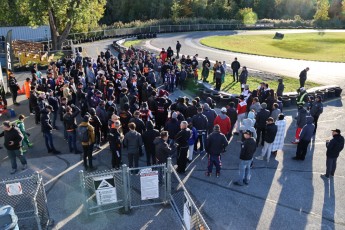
{"x":282,"y":194}
{"x":322,"y":72}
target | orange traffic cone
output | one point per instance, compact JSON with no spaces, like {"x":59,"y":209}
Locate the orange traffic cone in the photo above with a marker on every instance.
{"x":22,"y":90}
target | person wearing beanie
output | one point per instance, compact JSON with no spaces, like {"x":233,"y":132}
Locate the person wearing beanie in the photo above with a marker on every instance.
{"x":149,"y":137}
{"x":224,"y":122}
{"x":13,"y":141}
{"x":248,"y":149}
{"x":316,"y":110}
{"x":96,"y":124}
{"x":215,"y":145}
{"x":278,"y":143}
{"x":210,"y":115}
{"x":115,"y":139}
{"x":86,"y":134}
{"x":261,"y":119}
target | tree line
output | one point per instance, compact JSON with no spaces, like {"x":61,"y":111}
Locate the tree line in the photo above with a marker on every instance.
{"x":65,"y":16}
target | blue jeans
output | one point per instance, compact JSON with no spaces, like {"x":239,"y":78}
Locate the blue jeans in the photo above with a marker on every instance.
{"x":13,"y":154}
{"x":214,"y":160}
{"x":244,"y":171}
{"x":48,"y":137}
{"x":72,"y":140}
{"x":55,"y":114}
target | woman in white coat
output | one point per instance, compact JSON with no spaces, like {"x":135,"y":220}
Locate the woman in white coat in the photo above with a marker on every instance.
{"x":280,"y":136}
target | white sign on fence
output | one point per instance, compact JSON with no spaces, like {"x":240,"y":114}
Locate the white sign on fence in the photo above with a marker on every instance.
{"x":14,"y":189}
{"x":105,"y":190}
{"x":187,"y":211}
{"x":149,"y":184}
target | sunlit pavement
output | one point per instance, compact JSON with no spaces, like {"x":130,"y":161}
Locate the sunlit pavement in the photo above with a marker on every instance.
{"x":282,"y":194}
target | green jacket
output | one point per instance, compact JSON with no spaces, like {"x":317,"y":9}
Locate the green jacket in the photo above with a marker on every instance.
{"x":21,"y":127}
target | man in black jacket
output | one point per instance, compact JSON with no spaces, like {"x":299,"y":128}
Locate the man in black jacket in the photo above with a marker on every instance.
{"x":162,"y":148}
{"x":316,"y":110}
{"x":334,"y":147}
{"x":70,"y":125}
{"x":303,"y":76}
{"x":46,"y":128}
{"x":235,"y":66}
{"x":200,"y":123}
{"x":260,"y":124}
{"x":139,"y":124}
{"x":232,"y":114}
{"x":215,"y":145}
{"x":181,"y":139}
{"x":148,"y":140}
{"x":115,"y":143}
{"x":248,"y":149}
{"x":270,"y":134}
{"x":13,"y":139}
{"x":305,"y":137}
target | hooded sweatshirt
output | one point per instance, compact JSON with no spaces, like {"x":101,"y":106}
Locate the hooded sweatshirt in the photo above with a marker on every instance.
{"x":307,"y":130}
{"x":224,"y":122}
{"x":247,"y":124}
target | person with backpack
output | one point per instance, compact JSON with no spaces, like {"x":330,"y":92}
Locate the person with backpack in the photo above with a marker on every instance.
{"x":86,"y":134}
{"x":115,"y":139}
{"x":13,"y":139}
{"x":70,"y":125}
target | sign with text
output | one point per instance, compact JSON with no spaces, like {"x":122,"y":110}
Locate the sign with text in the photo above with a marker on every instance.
{"x":149,"y":184}
{"x":105,"y":190}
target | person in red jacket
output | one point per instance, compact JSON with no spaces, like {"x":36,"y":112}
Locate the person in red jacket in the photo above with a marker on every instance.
{"x":163,"y":54}
{"x":241,"y":113}
{"x":224,"y":122}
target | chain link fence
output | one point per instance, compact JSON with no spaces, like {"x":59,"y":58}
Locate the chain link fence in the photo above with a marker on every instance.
{"x":183,"y":204}
{"x":138,"y":187}
{"x":28,"y":198}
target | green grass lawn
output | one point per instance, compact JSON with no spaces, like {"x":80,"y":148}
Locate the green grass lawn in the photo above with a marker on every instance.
{"x":291,"y":84}
{"x":132,"y":43}
{"x":306,"y":46}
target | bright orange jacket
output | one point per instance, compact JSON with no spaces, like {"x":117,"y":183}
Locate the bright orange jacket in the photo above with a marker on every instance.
{"x":27,"y":87}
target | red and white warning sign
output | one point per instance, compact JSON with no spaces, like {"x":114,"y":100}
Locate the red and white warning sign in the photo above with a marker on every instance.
{"x":14,"y":189}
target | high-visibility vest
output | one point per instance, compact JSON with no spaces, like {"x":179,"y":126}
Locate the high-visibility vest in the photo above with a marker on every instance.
{"x":301,"y":99}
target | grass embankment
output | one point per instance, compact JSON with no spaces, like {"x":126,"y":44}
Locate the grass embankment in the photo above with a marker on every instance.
{"x":291,"y":84}
{"x":306,"y":46}
{"x":132,"y":43}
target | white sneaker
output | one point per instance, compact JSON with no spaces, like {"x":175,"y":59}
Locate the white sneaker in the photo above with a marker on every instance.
{"x":259,"y":158}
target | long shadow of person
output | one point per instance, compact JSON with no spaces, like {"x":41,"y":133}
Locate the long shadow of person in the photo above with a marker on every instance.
{"x":328,"y":208}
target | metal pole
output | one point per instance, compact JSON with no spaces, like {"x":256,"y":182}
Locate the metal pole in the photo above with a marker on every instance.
{"x":168,"y":181}
{"x":82,"y":186}
{"x":125,"y":187}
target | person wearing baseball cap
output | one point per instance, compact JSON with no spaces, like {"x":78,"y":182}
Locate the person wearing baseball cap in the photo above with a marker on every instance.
{"x":248,"y":148}
{"x":334,"y":147}
{"x":13,"y":141}
{"x":224,"y":122}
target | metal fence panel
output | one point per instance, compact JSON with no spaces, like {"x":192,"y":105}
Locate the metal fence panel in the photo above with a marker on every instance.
{"x":89,"y":191}
{"x":30,"y":203}
{"x":134,"y":180}
{"x":184,"y":205}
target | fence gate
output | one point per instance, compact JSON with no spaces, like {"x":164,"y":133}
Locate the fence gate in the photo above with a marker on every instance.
{"x":28,"y":198}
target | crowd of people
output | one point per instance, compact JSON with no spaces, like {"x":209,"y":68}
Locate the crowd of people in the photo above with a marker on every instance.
{"x":124,"y":100}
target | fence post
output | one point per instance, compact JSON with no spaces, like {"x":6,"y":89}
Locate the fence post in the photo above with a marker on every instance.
{"x":82,"y":186}
{"x":125,"y":187}
{"x":168,"y":181}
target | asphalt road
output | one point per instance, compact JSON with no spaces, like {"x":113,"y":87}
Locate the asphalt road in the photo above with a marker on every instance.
{"x":322,"y":72}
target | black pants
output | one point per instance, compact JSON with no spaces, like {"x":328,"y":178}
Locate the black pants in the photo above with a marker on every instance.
{"x":87,"y":156}
{"x":302,"y":82}
{"x":181,"y":159}
{"x":150,"y":155}
{"x":316,"y":118}
{"x":235,"y":73}
{"x":302,"y":149}
{"x":201,"y":143}
{"x":116,"y":158}
{"x":14,"y":95}
{"x":133,"y":159}
{"x":331,"y":165}
{"x":218,"y":83}
{"x":260,"y":132}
